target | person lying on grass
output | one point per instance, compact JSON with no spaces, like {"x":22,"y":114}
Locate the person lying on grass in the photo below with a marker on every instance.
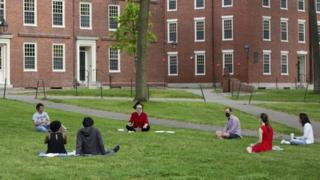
{"x":307,"y":137}
{"x":232,"y":129}
{"x":265,"y":136}
{"x":41,"y":119}
{"x":56,"y":139}
{"x":89,"y":140}
{"x":138,"y":120}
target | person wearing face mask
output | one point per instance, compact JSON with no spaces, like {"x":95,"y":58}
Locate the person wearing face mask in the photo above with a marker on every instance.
{"x":232,"y":129}
{"x":139,"y":119}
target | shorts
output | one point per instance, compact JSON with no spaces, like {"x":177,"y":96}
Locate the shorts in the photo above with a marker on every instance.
{"x":233,"y":136}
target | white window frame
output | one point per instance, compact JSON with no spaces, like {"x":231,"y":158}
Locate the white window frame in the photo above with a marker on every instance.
{"x":286,"y":8}
{"x":5,"y":10}
{"x":63,"y":14}
{"x":115,"y":5}
{"x":269,"y":52}
{"x":224,"y":18}
{"x":226,"y":6}
{"x":315,"y":6}
{"x":119,"y":61}
{"x":224,"y":52}
{"x":169,"y":10}
{"x":199,"y":19}
{"x":63,"y":60}
{"x":268,"y":18}
{"x":35,"y":57}
{"x":284,"y":53}
{"x":266,"y":6}
{"x":35,"y":14}
{"x":304,"y":6}
{"x":169,"y":55}
{"x":318,"y":24}
{"x":196,"y":53}
{"x":168,"y":29}
{"x":302,"y":21}
{"x":90,"y":5}
{"x":286,"y":20}
{"x":195,"y":5}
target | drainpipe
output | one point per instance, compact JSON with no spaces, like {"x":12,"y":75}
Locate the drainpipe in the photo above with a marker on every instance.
{"x":213,"y":40}
{"x":74,"y":43}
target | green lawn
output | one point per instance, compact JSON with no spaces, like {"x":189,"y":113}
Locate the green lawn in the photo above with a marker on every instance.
{"x":187,"y":154}
{"x":154,"y":93}
{"x":196,"y":112}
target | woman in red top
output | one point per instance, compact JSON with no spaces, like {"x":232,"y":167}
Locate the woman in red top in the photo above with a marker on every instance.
{"x":265,"y":137}
{"x":139,"y":119}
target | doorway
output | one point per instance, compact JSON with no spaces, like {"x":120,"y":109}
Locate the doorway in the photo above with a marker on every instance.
{"x":301,"y":69}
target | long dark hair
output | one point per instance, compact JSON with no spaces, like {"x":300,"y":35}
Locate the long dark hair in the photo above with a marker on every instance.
{"x":265,"y":119}
{"x":304,"y":119}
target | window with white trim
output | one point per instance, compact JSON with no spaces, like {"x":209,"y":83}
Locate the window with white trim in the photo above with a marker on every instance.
{"x":301,"y":5}
{"x":266,"y":3}
{"x":85,"y":15}
{"x":58,"y":13}
{"x":58,"y":55}
{"x":172,"y":30}
{"x":284,"y":4}
{"x":301,"y":31}
{"x":266,"y":62}
{"x":2,"y":10}
{"x":171,"y":5}
{"x":284,"y":63}
{"x":29,"y":56}
{"x":200,"y":63}
{"x":284,"y":29}
{"x":318,"y":23}
{"x":227,"y":28}
{"x":113,"y":13}
{"x":266,"y":28}
{"x":30,"y":12}
{"x":227,"y":61}
{"x":317,"y":5}
{"x":172,"y":63}
{"x":114,"y":60}
{"x":227,"y":3}
{"x":199,"y":28}
{"x":199,"y":4}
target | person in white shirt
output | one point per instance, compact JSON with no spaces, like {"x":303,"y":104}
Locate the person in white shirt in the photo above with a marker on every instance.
{"x":307,"y":137}
{"x":40,"y":119}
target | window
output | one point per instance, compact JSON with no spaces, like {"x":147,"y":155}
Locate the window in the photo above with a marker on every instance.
{"x":266,"y":28}
{"x":317,"y":5}
{"x":227,"y":3}
{"x":284,"y":29}
{"x":284,"y":4}
{"x":85,"y":15}
{"x":114,"y":11}
{"x":114,"y":60}
{"x":172,"y":63}
{"x":200,"y":63}
{"x":301,"y":31}
{"x":2,"y":10}
{"x":318,"y":31}
{"x":199,"y":4}
{"x":199,"y":24}
{"x":284,"y":63}
{"x":266,"y":3}
{"x":30,"y":12}
{"x":172,"y":5}
{"x":58,"y":57}
{"x":301,"y":5}
{"x":266,"y":62}
{"x":227,"y":61}
{"x":227,"y":28}
{"x":58,"y":13}
{"x":172,"y":30}
{"x":30,"y":57}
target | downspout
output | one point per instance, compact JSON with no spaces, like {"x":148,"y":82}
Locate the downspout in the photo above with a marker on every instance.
{"x":213,"y":40}
{"x":74,"y":44}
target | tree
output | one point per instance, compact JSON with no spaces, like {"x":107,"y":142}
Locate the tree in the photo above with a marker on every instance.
{"x":132,"y":36}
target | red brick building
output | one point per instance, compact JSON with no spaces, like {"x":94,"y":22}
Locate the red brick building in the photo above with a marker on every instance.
{"x":61,"y":41}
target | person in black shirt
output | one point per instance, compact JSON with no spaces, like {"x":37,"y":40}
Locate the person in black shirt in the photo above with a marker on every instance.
{"x":56,"y":139}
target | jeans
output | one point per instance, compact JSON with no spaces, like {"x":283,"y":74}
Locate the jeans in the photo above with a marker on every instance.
{"x":130,"y":128}
{"x":42,"y":128}
{"x":298,"y":141}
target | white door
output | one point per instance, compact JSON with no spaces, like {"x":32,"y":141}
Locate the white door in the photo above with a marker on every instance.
{"x":302,"y":68}
{"x":2,"y":65}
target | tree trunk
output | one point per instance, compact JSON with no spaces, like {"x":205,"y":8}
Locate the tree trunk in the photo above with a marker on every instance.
{"x":314,"y":46}
{"x":141,"y":70}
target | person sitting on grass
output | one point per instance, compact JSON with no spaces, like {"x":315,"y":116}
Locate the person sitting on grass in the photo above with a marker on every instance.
{"x":139,"y":119}
{"x":89,"y":140}
{"x":265,"y":136}
{"x":41,"y":119}
{"x":232,"y":129}
{"x":307,"y":137}
{"x":56,"y":139}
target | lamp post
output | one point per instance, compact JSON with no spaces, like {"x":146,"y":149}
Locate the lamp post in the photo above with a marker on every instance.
{"x":246,"y":49}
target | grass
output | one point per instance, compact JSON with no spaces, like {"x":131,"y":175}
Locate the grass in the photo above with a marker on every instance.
{"x":154,"y":93}
{"x":187,"y":154}
{"x":195,"y":112}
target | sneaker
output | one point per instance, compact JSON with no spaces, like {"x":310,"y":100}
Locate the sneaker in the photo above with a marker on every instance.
{"x":284,"y":142}
{"x":116,"y":148}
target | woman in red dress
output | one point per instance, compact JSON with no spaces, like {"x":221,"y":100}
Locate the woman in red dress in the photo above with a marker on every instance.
{"x":265,"y":137}
{"x":139,"y":119}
